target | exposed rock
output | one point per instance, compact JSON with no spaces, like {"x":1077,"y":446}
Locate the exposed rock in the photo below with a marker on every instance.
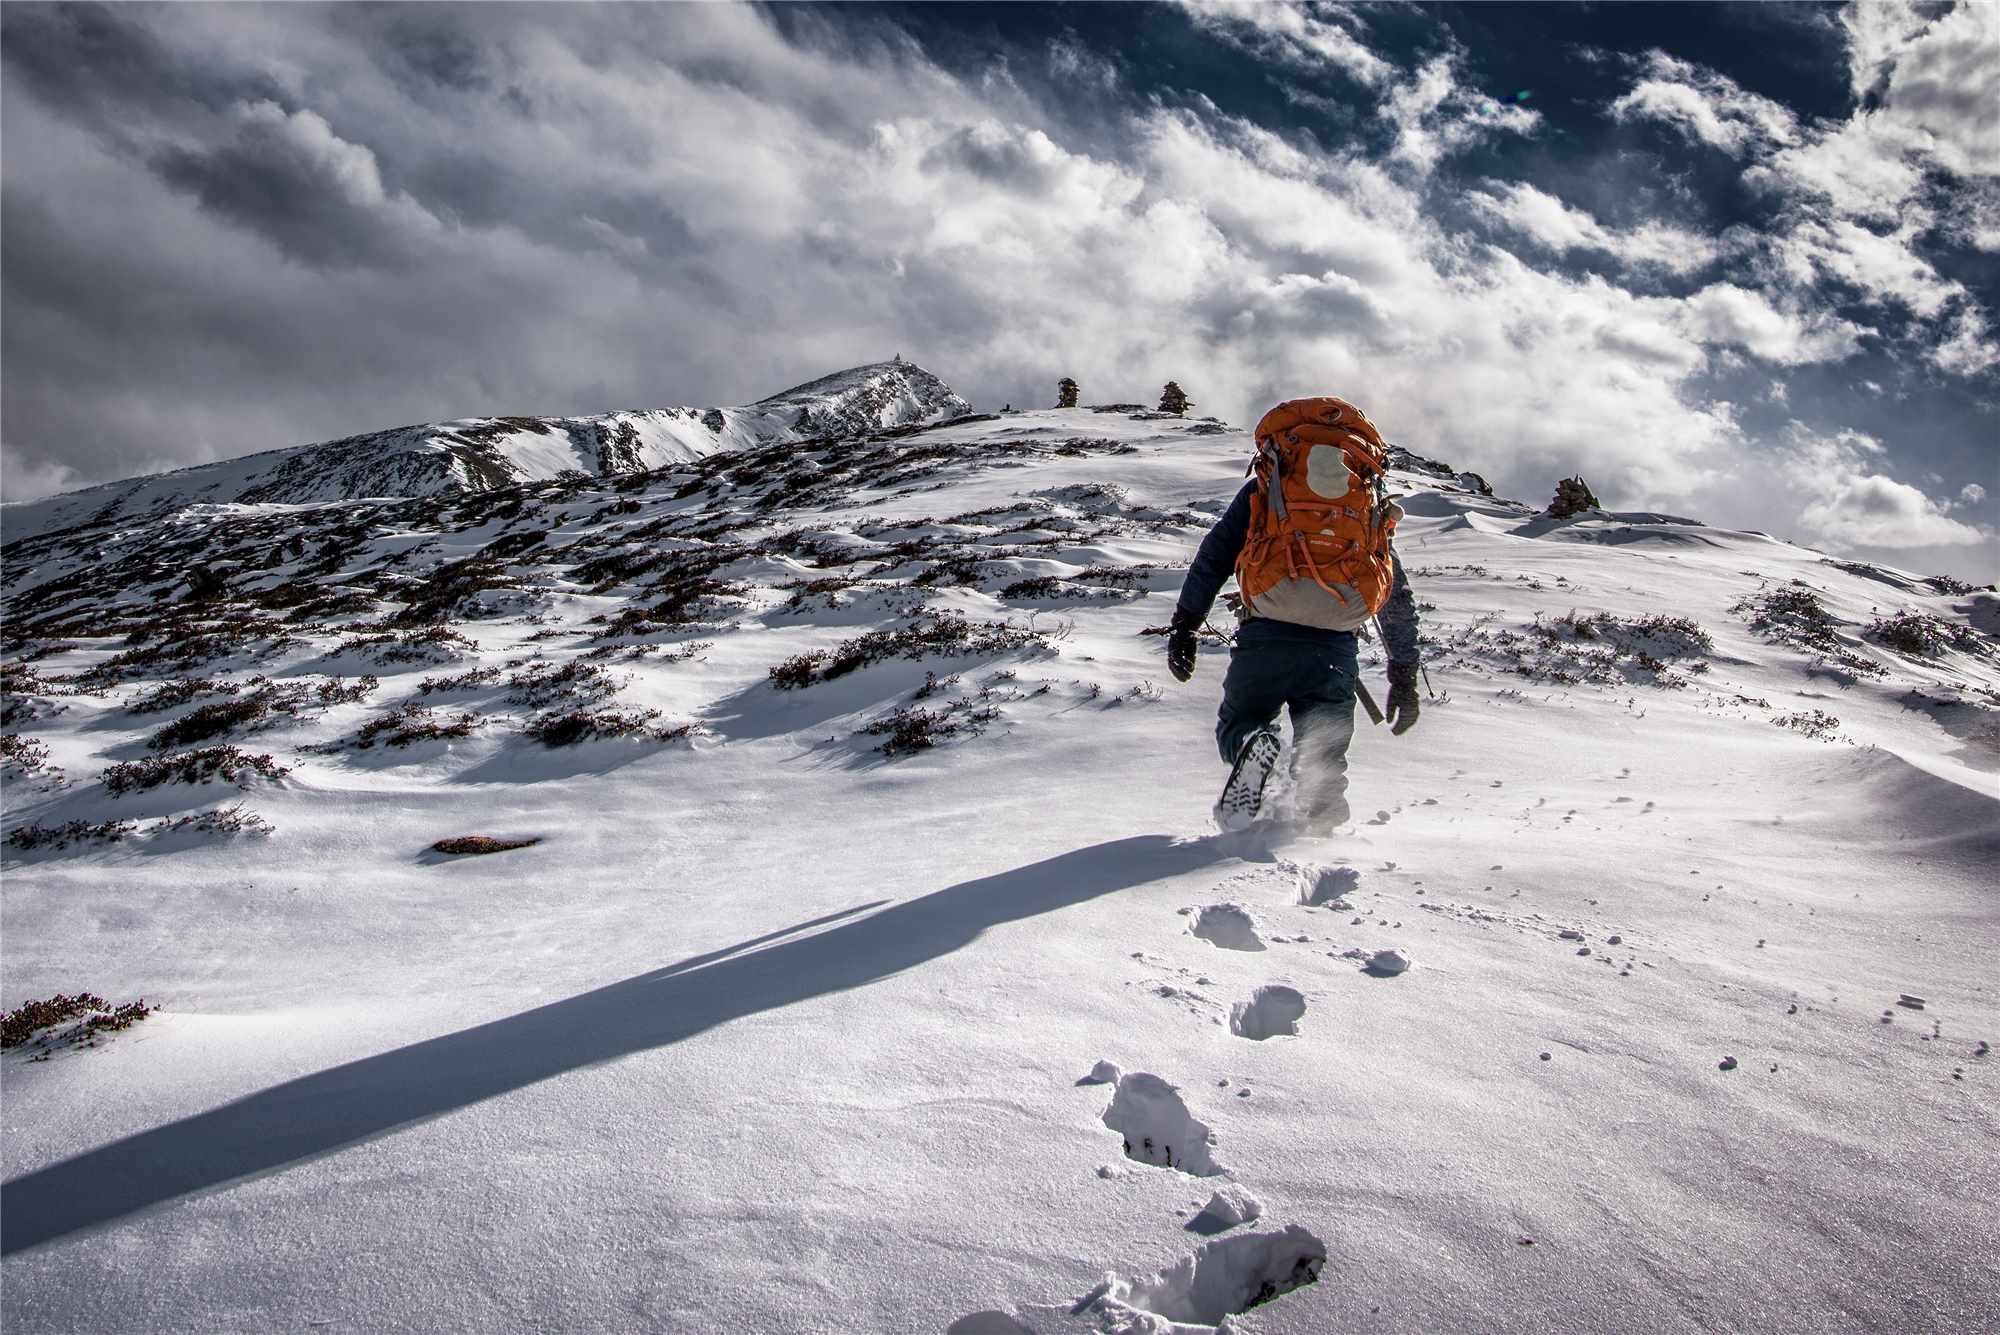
{"x":1573,"y":497}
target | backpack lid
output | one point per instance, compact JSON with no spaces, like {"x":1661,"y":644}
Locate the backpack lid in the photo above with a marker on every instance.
{"x":1324,"y":414}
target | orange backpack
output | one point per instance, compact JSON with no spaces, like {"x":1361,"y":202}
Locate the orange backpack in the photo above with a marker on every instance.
{"x":1317,"y":553}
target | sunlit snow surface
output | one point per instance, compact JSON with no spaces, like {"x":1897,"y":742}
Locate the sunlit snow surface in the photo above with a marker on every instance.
{"x":773,"y":1031}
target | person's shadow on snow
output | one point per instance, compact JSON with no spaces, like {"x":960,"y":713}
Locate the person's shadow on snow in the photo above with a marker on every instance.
{"x":327,"y":1111}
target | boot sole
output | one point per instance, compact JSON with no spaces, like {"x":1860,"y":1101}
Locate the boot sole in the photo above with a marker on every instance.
{"x":1244,"y":790}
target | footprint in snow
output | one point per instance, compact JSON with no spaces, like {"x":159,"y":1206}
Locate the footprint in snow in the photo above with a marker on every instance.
{"x":1201,"y":1291}
{"x":1272,"y":1010}
{"x":1327,"y":885}
{"x":1157,"y":1128}
{"x":1224,"y":1278}
{"x":1229,"y":926}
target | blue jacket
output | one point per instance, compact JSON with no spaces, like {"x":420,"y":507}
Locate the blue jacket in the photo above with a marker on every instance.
{"x":1216,"y":562}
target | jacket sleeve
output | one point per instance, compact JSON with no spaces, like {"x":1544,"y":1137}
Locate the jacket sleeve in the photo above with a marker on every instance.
{"x":1216,"y":561}
{"x":1399,"y":617}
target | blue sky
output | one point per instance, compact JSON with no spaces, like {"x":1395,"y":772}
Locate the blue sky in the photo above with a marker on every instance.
{"x":1740,"y":262}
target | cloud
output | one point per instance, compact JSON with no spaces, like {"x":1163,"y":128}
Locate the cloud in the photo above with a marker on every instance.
{"x":1725,"y":314}
{"x":1882,"y":268}
{"x":116,"y":76}
{"x":1971,"y":494}
{"x":1316,"y":36}
{"x":1970,"y":348}
{"x":1863,"y":199}
{"x":1866,"y":168}
{"x":1851,"y":504}
{"x":1878,"y":32}
{"x":289,"y":178}
{"x":1706,"y":107}
{"x":567,"y":209}
{"x":1938,"y":77}
{"x":1561,"y":228}
{"x":29,"y":479}
{"x":1435,"y":115}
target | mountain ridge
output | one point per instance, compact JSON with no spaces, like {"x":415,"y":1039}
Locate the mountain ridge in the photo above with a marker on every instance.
{"x":474,"y":454}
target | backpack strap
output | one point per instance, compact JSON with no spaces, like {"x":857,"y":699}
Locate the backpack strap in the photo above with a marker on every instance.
{"x":1274,"y":485}
{"x":1312,"y":568}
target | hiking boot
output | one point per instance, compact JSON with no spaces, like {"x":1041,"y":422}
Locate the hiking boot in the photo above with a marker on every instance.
{"x":1244,"y":791}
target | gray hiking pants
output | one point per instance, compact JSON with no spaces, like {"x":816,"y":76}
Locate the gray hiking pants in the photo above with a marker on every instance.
{"x":1310,"y":673}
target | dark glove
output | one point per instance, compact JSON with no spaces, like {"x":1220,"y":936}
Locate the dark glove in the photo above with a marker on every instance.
{"x":1403,"y":708}
{"x":1181,"y":648}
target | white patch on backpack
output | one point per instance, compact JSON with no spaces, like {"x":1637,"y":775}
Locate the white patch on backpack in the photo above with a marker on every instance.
{"x":1327,"y":472}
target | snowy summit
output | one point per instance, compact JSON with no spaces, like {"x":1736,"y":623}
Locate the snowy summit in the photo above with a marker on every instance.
{"x":481,"y":453}
{"x":768,"y":887}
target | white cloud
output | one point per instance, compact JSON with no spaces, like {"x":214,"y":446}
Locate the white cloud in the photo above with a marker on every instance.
{"x":1865,"y":196}
{"x":1321,"y":36}
{"x":1725,"y":314}
{"x":1970,"y":347}
{"x":31,"y":479}
{"x":1971,"y":494}
{"x":1883,"y":267}
{"x":1939,"y":78}
{"x":1561,"y":228}
{"x":1877,"y":32}
{"x":1850,"y":504}
{"x":1706,"y":107}
{"x":1431,"y":111}
{"x":1867,"y":167}
{"x":1435,"y":115}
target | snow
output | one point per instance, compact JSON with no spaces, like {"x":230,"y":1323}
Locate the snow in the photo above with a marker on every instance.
{"x":479,"y":453}
{"x":1229,"y":926}
{"x":1229,"y":1206}
{"x":1389,"y":961}
{"x":775,"y":1032}
{"x":1272,"y":1010}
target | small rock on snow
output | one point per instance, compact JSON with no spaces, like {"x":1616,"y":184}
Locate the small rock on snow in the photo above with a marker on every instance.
{"x":1905,"y":999}
{"x":1571,"y":934}
{"x":1727,"y":1064}
{"x":1390,"y":961}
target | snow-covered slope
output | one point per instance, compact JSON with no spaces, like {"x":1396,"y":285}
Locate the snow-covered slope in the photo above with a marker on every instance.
{"x":793,"y":1018}
{"x":481,"y":453}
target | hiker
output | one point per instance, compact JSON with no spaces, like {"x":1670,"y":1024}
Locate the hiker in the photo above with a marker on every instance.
{"x":1308,"y":539}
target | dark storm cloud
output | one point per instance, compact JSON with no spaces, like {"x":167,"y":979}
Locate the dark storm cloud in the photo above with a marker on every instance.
{"x":94,"y":66}
{"x":290,"y":179}
{"x":285,"y":176}
{"x":434,"y":51}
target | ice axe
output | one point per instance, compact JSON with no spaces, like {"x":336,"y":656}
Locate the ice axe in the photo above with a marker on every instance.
{"x":1368,"y":701}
